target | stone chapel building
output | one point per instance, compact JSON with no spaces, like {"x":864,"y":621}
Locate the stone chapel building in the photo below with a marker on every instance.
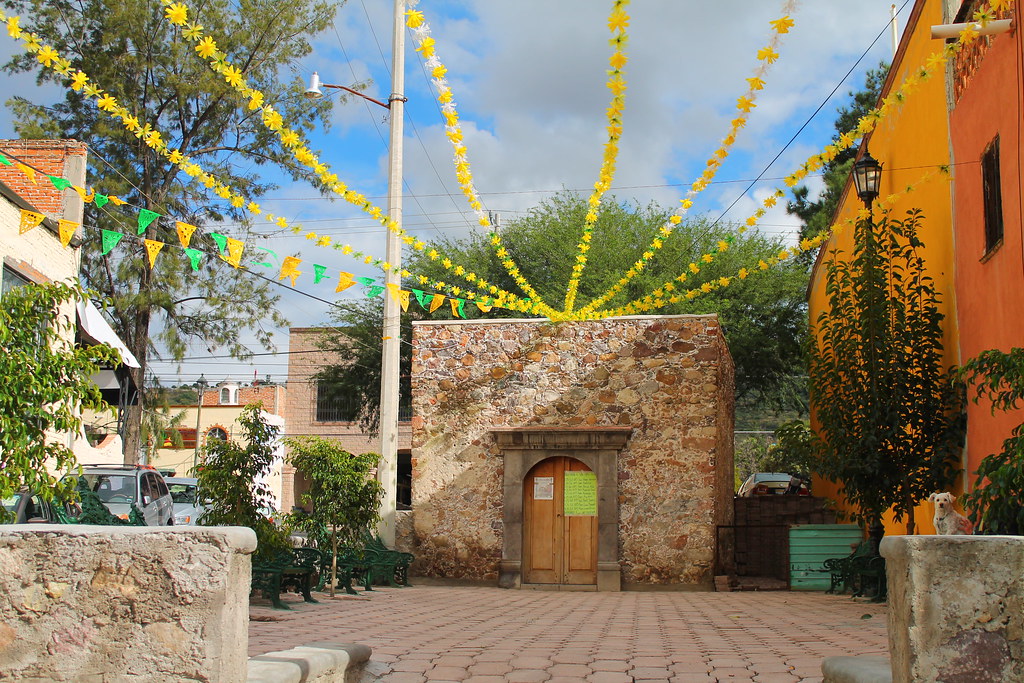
{"x":580,"y":455}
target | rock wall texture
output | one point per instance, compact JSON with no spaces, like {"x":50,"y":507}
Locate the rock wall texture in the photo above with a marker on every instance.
{"x":124,"y":603}
{"x":956,"y":607}
{"x":669,"y":378}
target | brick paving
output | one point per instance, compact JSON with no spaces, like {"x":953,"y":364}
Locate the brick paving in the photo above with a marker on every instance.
{"x":483,"y":635}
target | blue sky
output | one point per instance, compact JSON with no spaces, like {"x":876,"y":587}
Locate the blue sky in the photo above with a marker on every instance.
{"x":529,"y":81}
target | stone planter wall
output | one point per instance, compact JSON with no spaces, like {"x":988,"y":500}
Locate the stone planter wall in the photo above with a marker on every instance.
{"x":669,"y":379}
{"x":81,"y":603}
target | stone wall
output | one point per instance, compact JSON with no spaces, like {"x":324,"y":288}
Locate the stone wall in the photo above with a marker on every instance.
{"x":956,"y":607}
{"x":124,"y":603}
{"x":668,"y":378}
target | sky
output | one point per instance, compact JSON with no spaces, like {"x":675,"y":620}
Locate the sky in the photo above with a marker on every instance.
{"x":529,"y":81}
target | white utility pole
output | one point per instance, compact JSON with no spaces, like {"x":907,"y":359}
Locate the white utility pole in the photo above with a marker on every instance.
{"x":387,"y":471}
{"x":895,"y":32}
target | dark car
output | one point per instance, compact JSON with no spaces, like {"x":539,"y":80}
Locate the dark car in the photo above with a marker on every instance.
{"x":30,"y":508}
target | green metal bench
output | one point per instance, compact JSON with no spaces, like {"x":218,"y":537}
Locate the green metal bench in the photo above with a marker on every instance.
{"x":95,"y":512}
{"x":843,"y":570}
{"x":288,"y":568}
{"x":392,"y":565}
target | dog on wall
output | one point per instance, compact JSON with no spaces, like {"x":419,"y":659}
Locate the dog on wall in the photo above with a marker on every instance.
{"x":949,"y":522}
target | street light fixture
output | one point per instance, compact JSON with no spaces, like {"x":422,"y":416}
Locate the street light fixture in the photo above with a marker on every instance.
{"x":867,"y":176}
{"x":200,"y":391}
{"x":387,"y":471}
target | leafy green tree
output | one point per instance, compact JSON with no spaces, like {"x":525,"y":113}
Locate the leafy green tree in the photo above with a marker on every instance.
{"x":890,"y":417}
{"x":127,"y":49}
{"x":232,"y":477}
{"x":817,"y":214}
{"x":47,"y":382}
{"x":343,"y":496}
{"x":355,"y":339}
{"x":996,"y":504}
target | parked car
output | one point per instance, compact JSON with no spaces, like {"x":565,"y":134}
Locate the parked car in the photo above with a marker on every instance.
{"x":187,"y":504}
{"x":29,"y":508}
{"x":121,"y":486}
{"x":773,"y":483}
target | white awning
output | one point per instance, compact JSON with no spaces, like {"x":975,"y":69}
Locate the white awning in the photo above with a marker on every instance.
{"x":96,"y":327}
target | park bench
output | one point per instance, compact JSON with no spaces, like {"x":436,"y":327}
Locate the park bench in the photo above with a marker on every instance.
{"x":352,"y":566}
{"x":93,"y":511}
{"x":857,"y":572}
{"x":295,"y":567}
{"x":391,"y":566}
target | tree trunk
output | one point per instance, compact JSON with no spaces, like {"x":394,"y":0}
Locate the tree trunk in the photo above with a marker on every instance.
{"x":875,"y":533}
{"x":139,"y":346}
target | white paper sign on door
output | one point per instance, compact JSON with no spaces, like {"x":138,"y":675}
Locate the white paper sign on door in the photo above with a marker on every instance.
{"x":543,"y":488}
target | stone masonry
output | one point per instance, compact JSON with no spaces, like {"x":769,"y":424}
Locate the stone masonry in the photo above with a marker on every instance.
{"x":80,"y":603}
{"x":665,"y":380}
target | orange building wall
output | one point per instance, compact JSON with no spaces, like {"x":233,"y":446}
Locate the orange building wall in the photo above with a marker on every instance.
{"x":990,"y":288}
{"x":909,"y":143}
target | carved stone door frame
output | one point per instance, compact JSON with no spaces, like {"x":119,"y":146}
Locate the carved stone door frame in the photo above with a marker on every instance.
{"x":598,"y":448}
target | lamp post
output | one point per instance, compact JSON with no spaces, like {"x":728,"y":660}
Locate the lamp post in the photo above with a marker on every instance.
{"x":387,"y":472}
{"x":867,"y":176}
{"x":200,"y":391}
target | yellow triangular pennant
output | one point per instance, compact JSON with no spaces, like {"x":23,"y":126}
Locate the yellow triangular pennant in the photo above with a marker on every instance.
{"x":455,"y":307}
{"x":153,"y":248}
{"x":288,"y":268}
{"x":235,"y":248}
{"x":184,"y":232}
{"x":116,"y":201}
{"x":28,"y":171}
{"x":29,"y":220}
{"x":436,"y":302}
{"x":83,"y":193}
{"x":344,"y":281}
{"x":67,"y":230}
{"x":393,"y":290}
{"x":403,"y":299}
{"x":483,"y":307}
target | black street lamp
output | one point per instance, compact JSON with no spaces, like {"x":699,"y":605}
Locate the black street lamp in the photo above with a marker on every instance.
{"x":867,"y":176}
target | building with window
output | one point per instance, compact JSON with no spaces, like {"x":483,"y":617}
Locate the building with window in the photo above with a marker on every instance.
{"x":313,"y":409}
{"x":37,"y":255}
{"x":986,"y":108}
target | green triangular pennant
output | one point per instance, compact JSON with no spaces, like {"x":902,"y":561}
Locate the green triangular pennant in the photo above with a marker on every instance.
{"x":266,"y":264}
{"x":194,"y":255}
{"x":319,"y":273}
{"x":110,"y":240}
{"x":374,"y":291}
{"x":365,"y":281}
{"x":59,"y":183}
{"x":221,"y":240}
{"x":100,"y":200}
{"x":4,"y":160}
{"x":145,"y":218}
{"x":462,"y":311}
{"x":422,"y":297}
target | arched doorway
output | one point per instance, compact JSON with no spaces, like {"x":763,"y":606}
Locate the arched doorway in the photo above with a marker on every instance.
{"x":560,"y":523}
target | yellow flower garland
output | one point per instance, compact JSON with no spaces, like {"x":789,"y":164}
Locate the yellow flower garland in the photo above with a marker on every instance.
{"x":744,"y":105}
{"x":453,"y":131}
{"x":152,"y":138}
{"x":667,"y":293}
{"x":206,"y":48}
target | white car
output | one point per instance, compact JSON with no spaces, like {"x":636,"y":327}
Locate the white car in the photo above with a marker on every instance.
{"x":185,"y":494}
{"x":121,"y":486}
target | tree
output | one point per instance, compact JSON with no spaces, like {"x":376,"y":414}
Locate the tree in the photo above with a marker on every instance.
{"x":126,"y":48}
{"x":356,"y":341}
{"x":890,"y":418}
{"x":763,"y":316}
{"x":47,"y":383}
{"x":343,"y":496}
{"x":232,"y":477}
{"x":817,"y":214}
{"x":996,"y":504}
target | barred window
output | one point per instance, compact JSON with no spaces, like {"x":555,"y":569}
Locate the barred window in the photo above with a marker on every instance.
{"x":993,"y":196}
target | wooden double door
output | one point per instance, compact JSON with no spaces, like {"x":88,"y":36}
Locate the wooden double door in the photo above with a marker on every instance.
{"x":560,"y":523}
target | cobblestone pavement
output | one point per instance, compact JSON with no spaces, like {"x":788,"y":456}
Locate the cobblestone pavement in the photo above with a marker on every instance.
{"x":489,"y":635}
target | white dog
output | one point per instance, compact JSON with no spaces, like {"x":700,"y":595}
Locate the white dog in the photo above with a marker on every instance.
{"x":949,"y":522}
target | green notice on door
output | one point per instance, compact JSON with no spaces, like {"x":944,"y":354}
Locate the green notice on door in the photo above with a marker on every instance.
{"x":580,"y":494}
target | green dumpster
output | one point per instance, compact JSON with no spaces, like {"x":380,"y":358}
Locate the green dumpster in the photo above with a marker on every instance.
{"x":810,"y":545}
